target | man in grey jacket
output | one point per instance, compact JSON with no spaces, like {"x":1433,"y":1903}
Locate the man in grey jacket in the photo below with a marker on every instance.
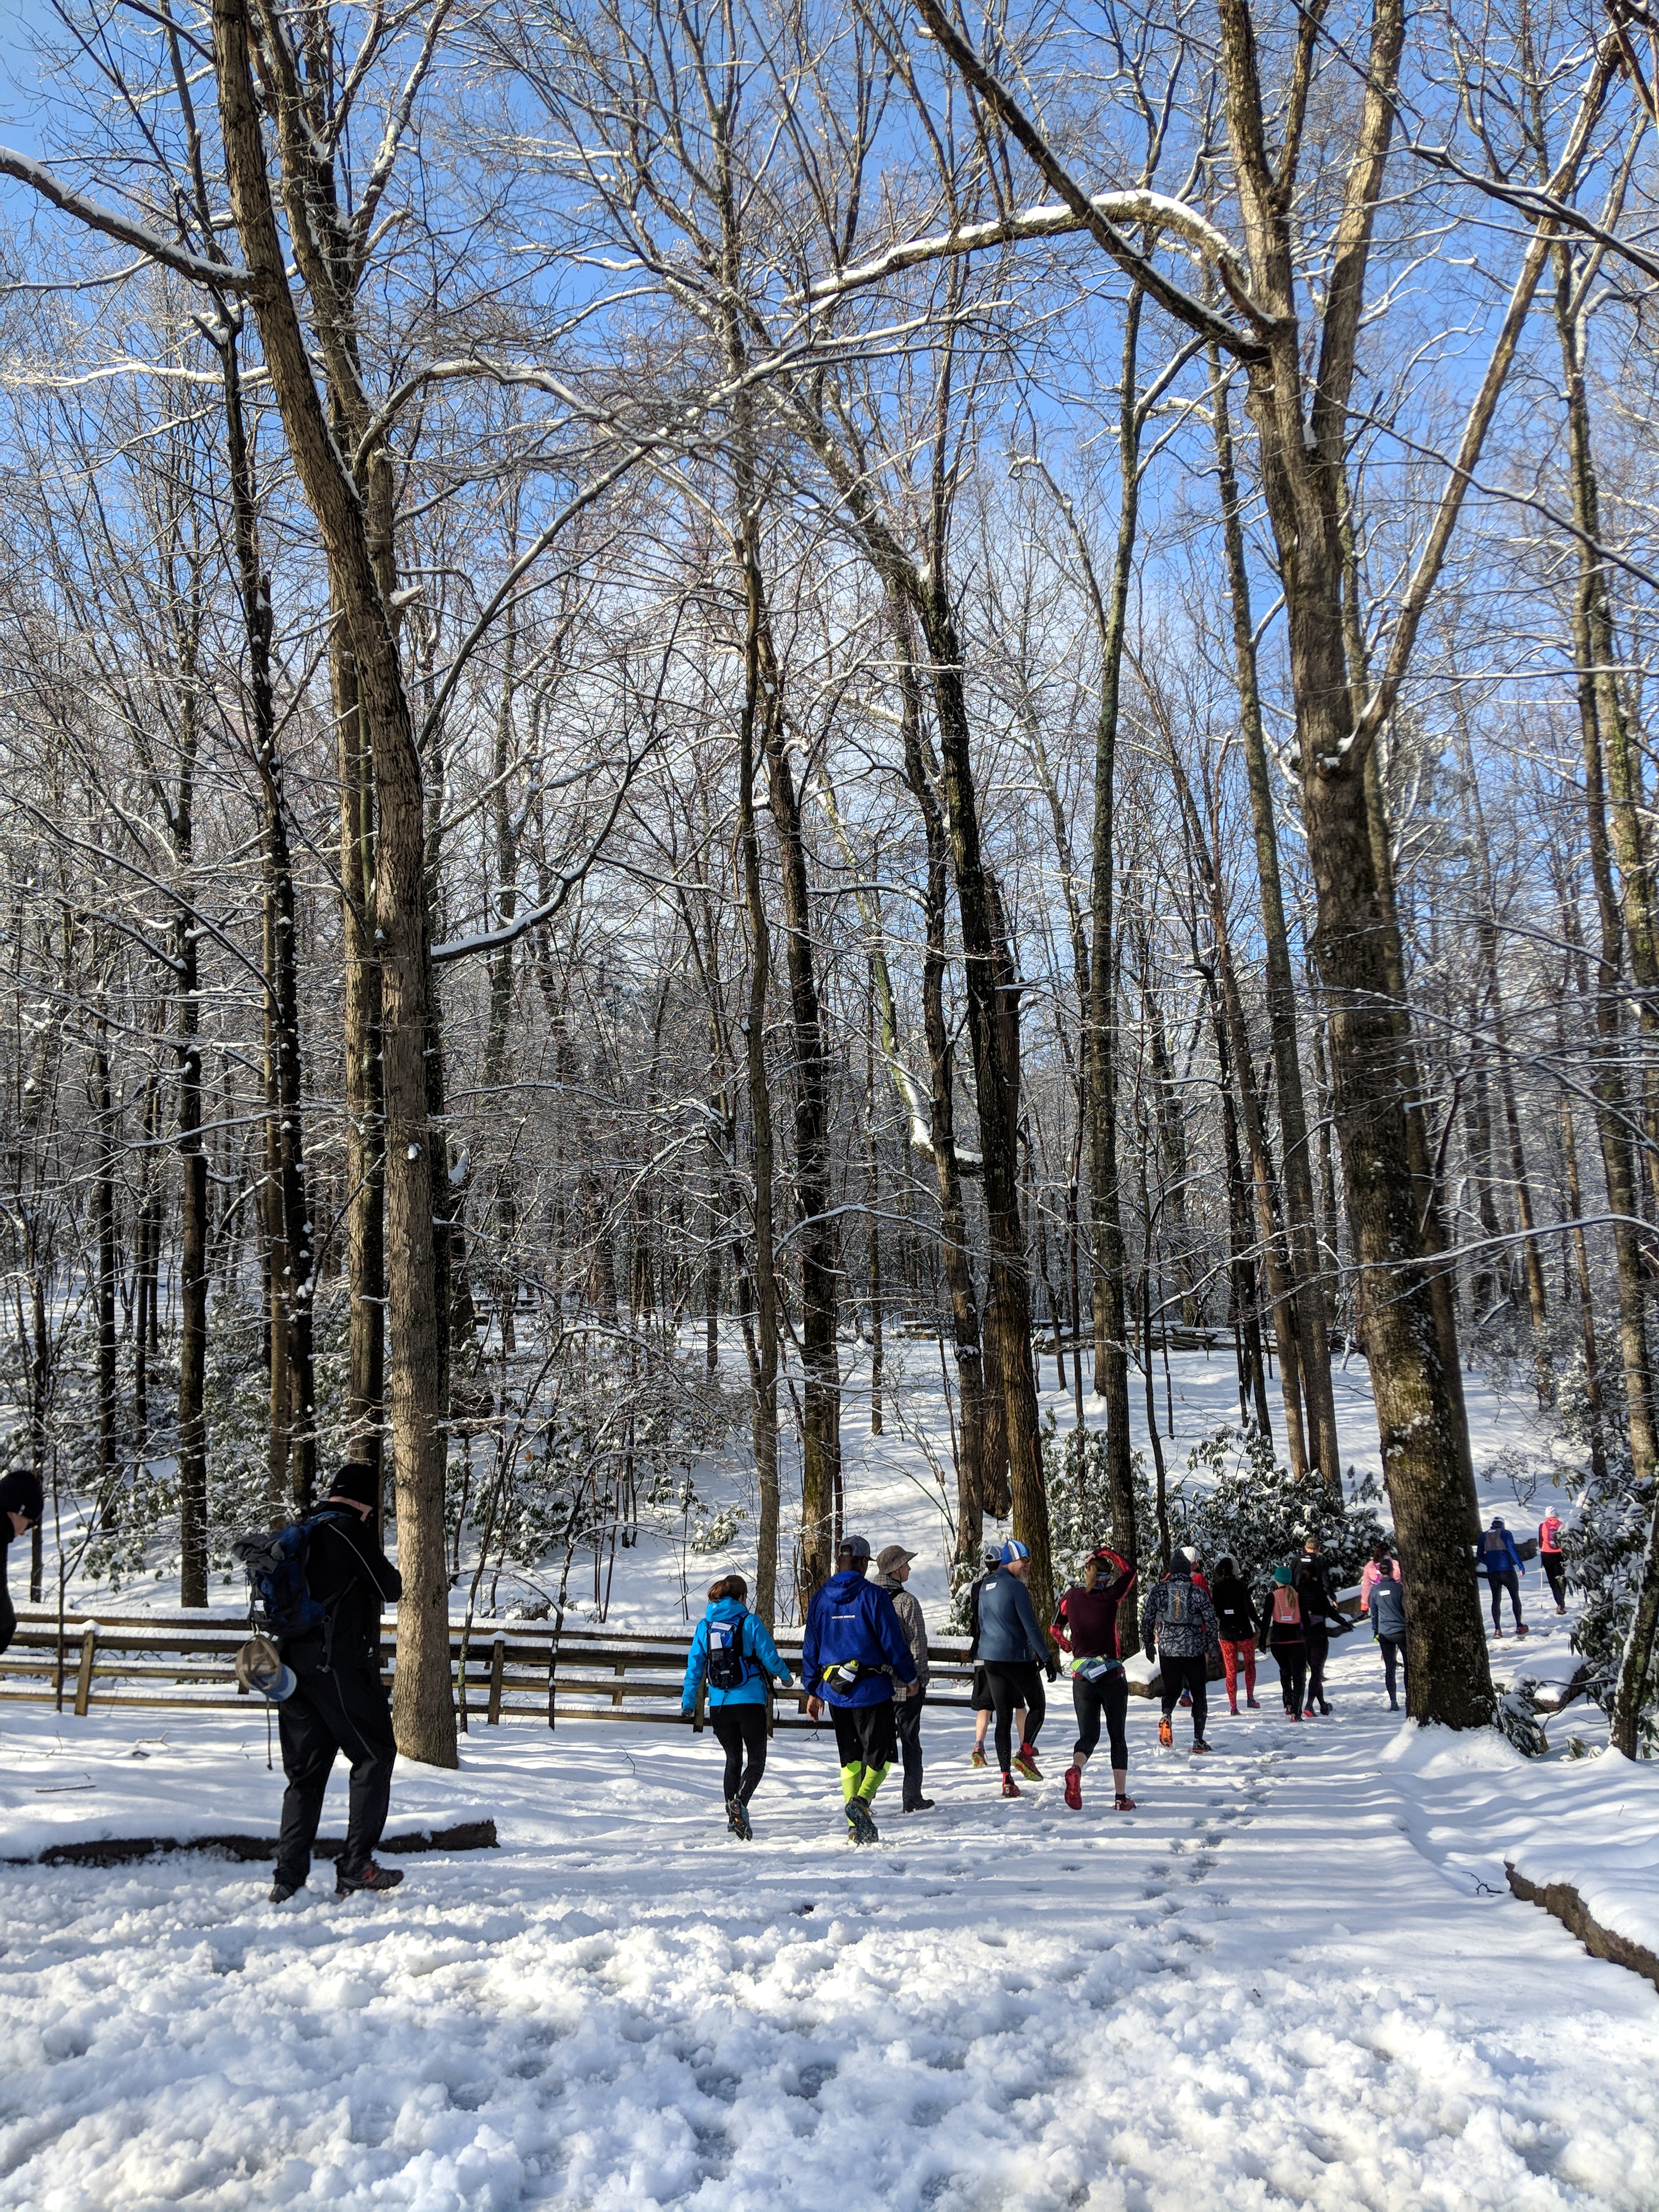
{"x":892,"y":1572}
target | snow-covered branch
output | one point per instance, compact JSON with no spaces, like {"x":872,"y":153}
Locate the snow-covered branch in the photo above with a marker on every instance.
{"x":109,"y":222}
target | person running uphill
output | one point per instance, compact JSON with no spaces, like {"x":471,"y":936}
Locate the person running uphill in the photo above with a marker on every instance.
{"x":1500,"y":1563}
{"x":1282,"y":1634}
{"x":1236,"y":1619}
{"x":1086,"y":1626}
{"x":1180,"y":1631}
{"x":733,"y":1653}
{"x":1550,"y":1558}
{"x":1388,"y":1626}
{"x":1013,"y":1647}
{"x":852,"y":1652}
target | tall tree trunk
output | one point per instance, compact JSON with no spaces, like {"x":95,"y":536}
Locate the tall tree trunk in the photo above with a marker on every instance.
{"x":103,"y":1214}
{"x":421,"y":1702}
{"x":1308,"y":1274}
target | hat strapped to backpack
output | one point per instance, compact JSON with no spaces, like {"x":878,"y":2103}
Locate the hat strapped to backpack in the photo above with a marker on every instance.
{"x":260,"y":1669}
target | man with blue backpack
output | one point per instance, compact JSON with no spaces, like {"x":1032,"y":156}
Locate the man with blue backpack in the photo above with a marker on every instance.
{"x":318,"y":1586}
{"x":732,"y":1652}
{"x":852,"y":1652}
{"x":1501,"y":1564}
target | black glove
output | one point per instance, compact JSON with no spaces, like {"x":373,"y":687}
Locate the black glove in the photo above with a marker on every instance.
{"x":1052,"y":1664}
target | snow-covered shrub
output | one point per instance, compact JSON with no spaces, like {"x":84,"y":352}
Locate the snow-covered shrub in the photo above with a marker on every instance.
{"x":1518,"y":1718}
{"x":1236,"y":1498}
{"x":1603,"y":1554}
{"x":1079,"y":1500}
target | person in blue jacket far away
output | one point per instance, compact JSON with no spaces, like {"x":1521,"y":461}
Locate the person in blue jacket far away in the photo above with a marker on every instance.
{"x":732,"y":1651}
{"x":853,"y":1651}
{"x":1500,"y":1563}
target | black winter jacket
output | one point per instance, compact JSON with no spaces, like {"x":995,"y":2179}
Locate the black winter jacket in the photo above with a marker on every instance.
{"x":349,"y":1575}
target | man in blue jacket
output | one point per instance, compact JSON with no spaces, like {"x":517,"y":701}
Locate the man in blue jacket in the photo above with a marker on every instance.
{"x":1013,"y":1647}
{"x":1500,"y":1563}
{"x":851,"y":1654}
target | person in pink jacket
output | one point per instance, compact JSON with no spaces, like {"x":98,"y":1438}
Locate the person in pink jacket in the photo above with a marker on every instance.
{"x":1371,"y":1570}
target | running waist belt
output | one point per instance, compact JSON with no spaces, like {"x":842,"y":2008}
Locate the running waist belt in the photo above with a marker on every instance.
{"x":1092,"y":1669}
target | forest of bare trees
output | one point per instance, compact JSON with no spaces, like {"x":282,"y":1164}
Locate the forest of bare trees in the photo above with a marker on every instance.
{"x":689,"y":688}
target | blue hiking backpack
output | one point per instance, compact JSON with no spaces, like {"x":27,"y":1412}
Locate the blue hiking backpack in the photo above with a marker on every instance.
{"x":280,"y":1602}
{"x":727,"y":1668}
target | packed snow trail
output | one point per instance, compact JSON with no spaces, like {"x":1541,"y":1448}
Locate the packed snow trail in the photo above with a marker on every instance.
{"x":1278,"y":1983}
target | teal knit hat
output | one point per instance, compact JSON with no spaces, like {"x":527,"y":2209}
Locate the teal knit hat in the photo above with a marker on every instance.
{"x":1281,"y":1574}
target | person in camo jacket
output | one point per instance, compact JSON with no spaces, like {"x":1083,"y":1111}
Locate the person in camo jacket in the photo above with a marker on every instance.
{"x":1179,"y":1630}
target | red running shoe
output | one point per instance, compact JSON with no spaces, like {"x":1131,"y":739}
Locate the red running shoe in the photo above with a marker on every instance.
{"x":1125,"y":1802}
{"x":1011,"y":1788}
{"x":1074,"y":1788}
{"x":1165,"y":1732}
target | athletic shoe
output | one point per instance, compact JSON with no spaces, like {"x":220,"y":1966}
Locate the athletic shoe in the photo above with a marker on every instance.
{"x":1325,"y":1711}
{"x":369,"y":1876}
{"x":1291,"y":1716}
{"x":1074,"y":1788}
{"x":1026,"y":1763}
{"x":1185,"y":1699}
{"x":280,"y":1891}
{"x":1560,"y":1609}
{"x":1011,"y":1788}
{"x":1123,"y":1802}
{"x":921,"y":1805}
{"x":1522,"y":1629}
{"x":736,"y":1819}
{"x":1254,"y":1704}
{"x":861,"y":1823}
{"x":1394,"y":1705}
{"x":978,"y":1758}
{"x":1498,"y":1632}
{"x":1198,"y":1745}
{"x":1165,"y":1732}
{"x":1232,"y":1707}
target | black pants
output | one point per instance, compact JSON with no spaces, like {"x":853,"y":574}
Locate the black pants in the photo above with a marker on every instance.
{"x":740,"y":1729}
{"x":8,"y":1616}
{"x":1394,"y":1650}
{"x":1292,"y":1674}
{"x":906,"y":1719}
{"x":864,"y":1735}
{"x":1012,"y":1686}
{"x":1191,"y":1675}
{"x":1554,"y":1568}
{"x":1510,"y":1581}
{"x":1318,"y":1645}
{"x":345,"y":1709}
{"x":1107,"y":1695}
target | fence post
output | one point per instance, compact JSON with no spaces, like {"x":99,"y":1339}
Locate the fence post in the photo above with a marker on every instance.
{"x":497,"y":1660}
{"x":553,"y":1666}
{"x":83,"y":1680}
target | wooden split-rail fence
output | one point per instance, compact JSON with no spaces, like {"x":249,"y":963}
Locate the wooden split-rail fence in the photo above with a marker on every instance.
{"x":501,"y":1670}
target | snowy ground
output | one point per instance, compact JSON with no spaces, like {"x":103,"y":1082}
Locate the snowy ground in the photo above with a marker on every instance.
{"x":1292,"y":1976}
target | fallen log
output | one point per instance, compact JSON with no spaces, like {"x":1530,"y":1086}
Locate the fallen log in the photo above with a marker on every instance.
{"x":125,"y":1850}
{"x":1561,"y":1898}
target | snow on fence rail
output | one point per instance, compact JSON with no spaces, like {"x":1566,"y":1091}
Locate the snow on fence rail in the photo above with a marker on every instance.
{"x":500,"y":1670}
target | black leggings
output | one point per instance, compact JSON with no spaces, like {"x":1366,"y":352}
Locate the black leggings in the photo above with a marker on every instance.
{"x":1193,"y":1676}
{"x":739,"y":1729}
{"x":1107,"y":1696}
{"x":1393,"y":1648}
{"x":1555,"y":1568}
{"x":1510,"y":1581}
{"x":1292,"y":1674}
{"x":1318,"y":1645}
{"x":1011,"y":1687}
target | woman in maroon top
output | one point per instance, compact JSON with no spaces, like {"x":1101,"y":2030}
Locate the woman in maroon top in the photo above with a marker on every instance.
{"x":1086,"y":1627}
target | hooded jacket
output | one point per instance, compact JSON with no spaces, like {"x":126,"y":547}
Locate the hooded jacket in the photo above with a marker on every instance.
{"x":1180,"y":1620}
{"x":1498,"y":1553}
{"x":758,"y":1650}
{"x":851,"y":1622}
{"x":1009,"y":1634}
{"x":1234,"y":1614}
{"x":911,"y":1620}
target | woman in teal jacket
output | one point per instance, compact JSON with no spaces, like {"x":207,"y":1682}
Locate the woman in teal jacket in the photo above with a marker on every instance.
{"x":732,"y":1651}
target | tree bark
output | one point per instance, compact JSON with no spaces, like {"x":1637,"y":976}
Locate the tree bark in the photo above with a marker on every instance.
{"x":422,"y":1704}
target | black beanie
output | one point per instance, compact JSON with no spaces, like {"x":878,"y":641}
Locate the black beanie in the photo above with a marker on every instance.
{"x":358,"y":1481}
